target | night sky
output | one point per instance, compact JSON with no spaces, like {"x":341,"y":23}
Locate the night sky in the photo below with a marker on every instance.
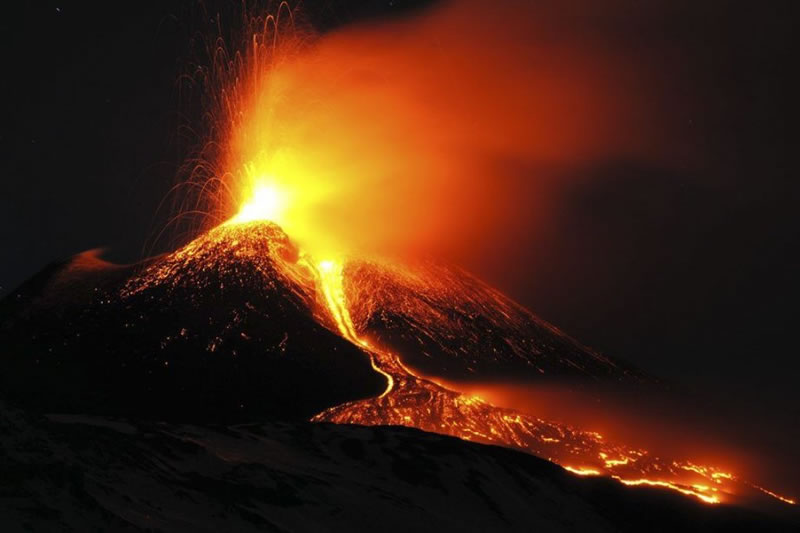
{"x":688,"y":274}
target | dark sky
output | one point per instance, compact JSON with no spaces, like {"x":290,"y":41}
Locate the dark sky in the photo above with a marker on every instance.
{"x":692,"y":279}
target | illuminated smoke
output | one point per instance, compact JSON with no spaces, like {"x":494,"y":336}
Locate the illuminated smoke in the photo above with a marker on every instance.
{"x":436,"y":133}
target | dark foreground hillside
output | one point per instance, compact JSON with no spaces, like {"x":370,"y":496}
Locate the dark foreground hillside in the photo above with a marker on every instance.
{"x":81,"y":473}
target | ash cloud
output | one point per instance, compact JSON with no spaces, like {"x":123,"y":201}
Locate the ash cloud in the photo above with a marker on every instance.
{"x":456,"y":127}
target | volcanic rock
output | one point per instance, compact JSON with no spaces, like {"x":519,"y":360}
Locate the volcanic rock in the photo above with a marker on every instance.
{"x":446,"y":323}
{"x":223,"y":328}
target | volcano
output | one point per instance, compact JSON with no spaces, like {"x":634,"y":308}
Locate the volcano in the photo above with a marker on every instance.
{"x":236,"y":323}
{"x":241,"y":324}
{"x":220,"y":329}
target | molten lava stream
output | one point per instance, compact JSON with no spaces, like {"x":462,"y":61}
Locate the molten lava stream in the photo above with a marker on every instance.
{"x":416,"y":402}
{"x":329,"y":274}
{"x":413,"y":401}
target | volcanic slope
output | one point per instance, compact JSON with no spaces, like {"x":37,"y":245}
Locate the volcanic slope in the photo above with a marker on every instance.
{"x":446,"y":323}
{"x":223,"y":328}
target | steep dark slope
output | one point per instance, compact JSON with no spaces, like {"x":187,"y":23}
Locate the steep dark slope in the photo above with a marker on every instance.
{"x":218,"y":330}
{"x":232,"y":326}
{"x":446,"y":323}
{"x":79,"y":473}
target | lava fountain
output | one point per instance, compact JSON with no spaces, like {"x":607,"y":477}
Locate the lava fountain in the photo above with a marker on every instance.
{"x":312,"y":140}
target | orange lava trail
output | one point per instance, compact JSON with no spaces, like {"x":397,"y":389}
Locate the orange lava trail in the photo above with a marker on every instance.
{"x":410,"y":400}
{"x":329,"y":274}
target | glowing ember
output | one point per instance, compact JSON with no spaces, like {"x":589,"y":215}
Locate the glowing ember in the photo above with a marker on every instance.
{"x":699,"y":494}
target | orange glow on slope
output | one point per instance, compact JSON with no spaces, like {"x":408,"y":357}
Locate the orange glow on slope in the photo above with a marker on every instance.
{"x":699,"y":494}
{"x":784,"y":499}
{"x":582,"y":471}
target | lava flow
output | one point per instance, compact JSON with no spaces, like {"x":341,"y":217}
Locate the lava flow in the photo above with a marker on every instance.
{"x":420,"y":403}
{"x":413,"y":401}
